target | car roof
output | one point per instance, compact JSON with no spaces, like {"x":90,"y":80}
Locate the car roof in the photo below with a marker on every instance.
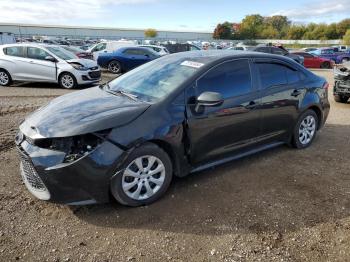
{"x":208,"y":56}
{"x":121,"y":49}
{"x":152,"y":46}
{"x":28,"y":44}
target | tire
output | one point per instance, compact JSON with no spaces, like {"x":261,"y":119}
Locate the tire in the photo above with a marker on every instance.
{"x":5,"y":78}
{"x":344,"y":60}
{"x":114,"y":67}
{"x":341,"y":99}
{"x":305,"y":130}
{"x":326,"y":65}
{"x":129,"y":185}
{"x":67,"y":81}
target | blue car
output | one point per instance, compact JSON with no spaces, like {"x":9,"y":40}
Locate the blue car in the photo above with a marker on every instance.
{"x":126,"y":58}
{"x":333,"y":54}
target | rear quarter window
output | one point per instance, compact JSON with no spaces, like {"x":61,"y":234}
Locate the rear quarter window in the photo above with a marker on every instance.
{"x":14,"y":51}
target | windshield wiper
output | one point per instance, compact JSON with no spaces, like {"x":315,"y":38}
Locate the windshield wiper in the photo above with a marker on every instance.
{"x":107,"y":88}
{"x":124,"y":93}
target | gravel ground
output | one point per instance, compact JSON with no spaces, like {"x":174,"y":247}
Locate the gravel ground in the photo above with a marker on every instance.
{"x":279,"y":205}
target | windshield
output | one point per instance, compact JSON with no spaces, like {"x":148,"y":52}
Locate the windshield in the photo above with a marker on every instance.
{"x":61,"y":53}
{"x":157,"y":79}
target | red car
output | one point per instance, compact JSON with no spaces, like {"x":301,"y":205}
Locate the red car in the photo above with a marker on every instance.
{"x":313,"y":61}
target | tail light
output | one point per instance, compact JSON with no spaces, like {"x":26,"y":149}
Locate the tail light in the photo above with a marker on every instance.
{"x":325,"y":86}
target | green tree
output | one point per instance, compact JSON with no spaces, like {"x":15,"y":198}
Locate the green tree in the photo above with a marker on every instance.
{"x":346,"y":37}
{"x":251,"y":26}
{"x":331,"y":32}
{"x":269,"y":33}
{"x":279,"y":23}
{"x":296,"y":32}
{"x":343,"y":26}
{"x":223,"y":31}
{"x":151,"y":33}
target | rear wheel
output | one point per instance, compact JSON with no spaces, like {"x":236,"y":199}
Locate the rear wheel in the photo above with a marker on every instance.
{"x":5,"y":78}
{"x":326,"y":65}
{"x":67,"y":80}
{"x":144,"y":178}
{"x":305,"y":129}
{"x":114,"y":67}
{"x":341,"y":99}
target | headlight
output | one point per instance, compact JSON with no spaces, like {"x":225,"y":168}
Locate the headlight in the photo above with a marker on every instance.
{"x":79,"y":66}
{"x":75,"y":147}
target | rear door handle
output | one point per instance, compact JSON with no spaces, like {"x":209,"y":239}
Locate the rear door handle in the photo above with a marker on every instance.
{"x":295,"y":93}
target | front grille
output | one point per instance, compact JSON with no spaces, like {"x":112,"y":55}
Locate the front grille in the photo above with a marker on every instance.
{"x":29,"y":173}
{"x":95,"y":74}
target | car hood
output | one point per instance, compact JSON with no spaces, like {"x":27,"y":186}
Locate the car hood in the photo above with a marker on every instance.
{"x":82,"y":112}
{"x":85,"y":62}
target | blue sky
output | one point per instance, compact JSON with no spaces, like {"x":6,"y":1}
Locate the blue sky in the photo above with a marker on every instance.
{"x":164,"y":14}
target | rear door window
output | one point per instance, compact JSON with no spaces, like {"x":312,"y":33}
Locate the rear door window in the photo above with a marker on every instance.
{"x":14,"y":51}
{"x":274,"y":74}
{"x":230,"y":79}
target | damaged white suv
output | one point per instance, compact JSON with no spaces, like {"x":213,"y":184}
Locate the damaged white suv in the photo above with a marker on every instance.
{"x":45,"y":63}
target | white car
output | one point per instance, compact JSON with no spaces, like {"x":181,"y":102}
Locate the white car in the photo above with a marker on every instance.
{"x":45,"y":63}
{"x":109,"y":46}
{"x":161,"y":50}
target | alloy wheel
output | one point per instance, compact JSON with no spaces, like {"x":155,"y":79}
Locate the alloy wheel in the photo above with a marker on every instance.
{"x":114,"y":67}
{"x":67,"y":81}
{"x":4,"y":79}
{"x":143,"y":177}
{"x":307,"y":129}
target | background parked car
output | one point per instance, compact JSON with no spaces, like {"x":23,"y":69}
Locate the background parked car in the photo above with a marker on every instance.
{"x":279,"y":51}
{"x":177,"y":48}
{"x":309,"y":49}
{"x":45,"y":63}
{"x":161,"y":50}
{"x":126,"y":58}
{"x":7,"y":38}
{"x":78,"y":52}
{"x":329,"y":53}
{"x":109,"y":46}
{"x":313,"y":61}
{"x":341,"y":90}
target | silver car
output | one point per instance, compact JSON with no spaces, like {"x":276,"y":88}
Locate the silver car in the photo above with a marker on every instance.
{"x":45,"y":63}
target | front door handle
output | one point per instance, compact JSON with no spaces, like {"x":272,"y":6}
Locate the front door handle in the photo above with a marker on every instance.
{"x":295,"y":93}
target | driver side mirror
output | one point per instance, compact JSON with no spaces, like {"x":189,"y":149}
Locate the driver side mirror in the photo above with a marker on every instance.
{"x":51,"y":59}
{"x":209,"y":99}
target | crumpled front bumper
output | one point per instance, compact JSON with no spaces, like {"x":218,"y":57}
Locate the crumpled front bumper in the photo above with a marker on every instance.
{"x":84,"y":181}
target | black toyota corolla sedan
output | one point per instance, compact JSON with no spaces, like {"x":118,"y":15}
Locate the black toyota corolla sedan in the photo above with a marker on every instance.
{"x":176,"y":115}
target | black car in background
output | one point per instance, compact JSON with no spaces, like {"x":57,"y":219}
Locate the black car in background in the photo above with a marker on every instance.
{"x":279,"y":50}
{"x":178,"y":114}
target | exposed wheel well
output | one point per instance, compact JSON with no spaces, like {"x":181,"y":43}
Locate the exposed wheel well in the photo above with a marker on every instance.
{"x":169,"y":150}
{"x":65,"y":72}
{"x":3,"y":69}
{"x":318,"y":113}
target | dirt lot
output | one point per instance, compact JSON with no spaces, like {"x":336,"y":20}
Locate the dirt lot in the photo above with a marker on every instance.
{"x":279,"y":205}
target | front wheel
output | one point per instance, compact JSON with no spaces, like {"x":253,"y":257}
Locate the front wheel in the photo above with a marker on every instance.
{"x":305,"y":130}
{"x":341,"y":99}
{"x":144,"y":177}
{"x":67,"y":80}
